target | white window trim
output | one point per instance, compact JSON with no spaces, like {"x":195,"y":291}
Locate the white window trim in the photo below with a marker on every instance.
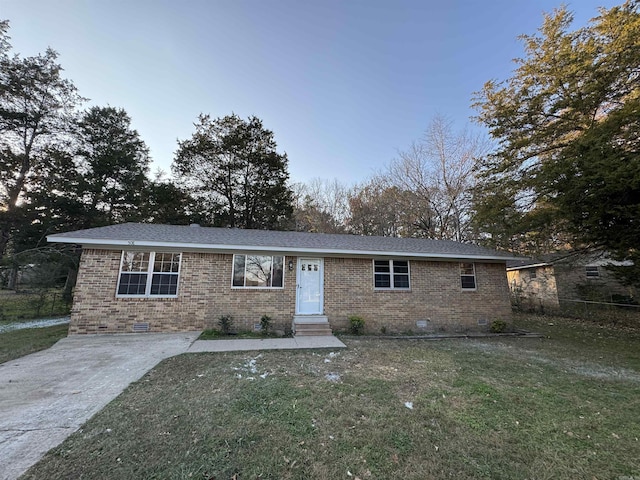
{"x":244,"y":287}
{"x":475,"y":277}
{"x":150,"y":272}
{"x":392,"y":287}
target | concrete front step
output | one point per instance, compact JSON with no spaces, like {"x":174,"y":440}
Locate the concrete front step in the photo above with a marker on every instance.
{"x":307,"y":331}
{"x":311,"y":326}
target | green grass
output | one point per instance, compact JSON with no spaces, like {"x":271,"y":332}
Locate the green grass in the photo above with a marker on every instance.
{"x":19,"y":343}
{"x":562,"y":407}
{"x":214,"y":334}
{"x":16,"y":307}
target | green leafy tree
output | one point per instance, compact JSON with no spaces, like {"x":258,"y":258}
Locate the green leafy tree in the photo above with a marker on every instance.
{"x":165,"y":202}
{"x":567,"y":125}
{"x":232,"y":169}
{"x":37,"y":107}
{"x":113,"y":162}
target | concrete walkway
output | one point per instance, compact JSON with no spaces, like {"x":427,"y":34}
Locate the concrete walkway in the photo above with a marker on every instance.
{"x":238,"y":345}
{"x":48,"y":395}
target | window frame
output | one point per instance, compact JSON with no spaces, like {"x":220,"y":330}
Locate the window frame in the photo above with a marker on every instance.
{"x":250,"y":287}
{"x":391,"y":274}
{"x":592,"y":267}
{"x":474,"y":276}
{"x":150,"y":274}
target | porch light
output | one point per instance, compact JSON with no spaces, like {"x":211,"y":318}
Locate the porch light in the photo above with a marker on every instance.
{"x":290,"y":265}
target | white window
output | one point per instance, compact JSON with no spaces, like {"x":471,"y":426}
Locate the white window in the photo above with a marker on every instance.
{"x":391,"y":274}
{"x":258,"y":271}
{"x":468,"y":276}
{"x":149,"y":274}
{"x":592,"y":272}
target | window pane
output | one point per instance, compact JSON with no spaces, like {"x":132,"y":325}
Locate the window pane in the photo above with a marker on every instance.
{"x":164,"y":284}
{"x":382,"y":280}
{"x":132,"y":284}
{"x":401,"y":281}
{"x":135,"y":261}
{"x":258,"y":271}
{"x":382,"y":266}
{"x":278,"y":263}
{"x":468,"y":281}
{"x":400,"y":266}
{"x":466,"y":269}
{"x":238,"y":270}
{"x":166,"y":262}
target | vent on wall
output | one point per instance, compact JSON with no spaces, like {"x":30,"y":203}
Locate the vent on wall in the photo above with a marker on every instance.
{"x":422,"y":323}
{"x":140,"y":327}
{"x":482,"y":322}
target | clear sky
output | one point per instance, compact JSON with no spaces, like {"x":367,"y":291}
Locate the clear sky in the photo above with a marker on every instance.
{"x":342,"y":84}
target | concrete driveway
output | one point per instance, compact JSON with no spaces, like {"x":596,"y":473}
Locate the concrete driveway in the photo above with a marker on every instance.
{"x":46,"y":396}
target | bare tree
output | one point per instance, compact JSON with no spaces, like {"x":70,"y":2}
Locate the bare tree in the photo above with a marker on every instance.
{"x":381,"y":208}
{"x":439,"y":170}
{"x":320,"y":205}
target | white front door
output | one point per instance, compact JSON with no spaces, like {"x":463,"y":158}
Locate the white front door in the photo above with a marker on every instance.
{"x":310,"y":286}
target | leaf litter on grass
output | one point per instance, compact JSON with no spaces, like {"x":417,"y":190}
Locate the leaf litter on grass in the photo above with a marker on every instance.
{"x":485,"y":412}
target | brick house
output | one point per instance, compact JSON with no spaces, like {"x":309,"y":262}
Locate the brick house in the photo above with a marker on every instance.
{"x":556,"y":281}
{"x":143,"y":277}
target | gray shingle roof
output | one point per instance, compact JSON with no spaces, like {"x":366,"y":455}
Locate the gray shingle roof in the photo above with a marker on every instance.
{"x":230,"y":239}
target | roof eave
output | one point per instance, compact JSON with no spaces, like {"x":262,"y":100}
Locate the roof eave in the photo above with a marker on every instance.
{"x":532,"y":265}
{"x":110,"y":244}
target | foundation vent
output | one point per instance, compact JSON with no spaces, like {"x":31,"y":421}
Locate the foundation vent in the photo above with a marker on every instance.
{"x":140,"y":327}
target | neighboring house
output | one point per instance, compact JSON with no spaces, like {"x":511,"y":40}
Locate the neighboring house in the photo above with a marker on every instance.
{"x":556,"y":281}
{"x":143,"y":277}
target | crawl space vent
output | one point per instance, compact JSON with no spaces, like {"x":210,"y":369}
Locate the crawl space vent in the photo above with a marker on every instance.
{"x":140,"y":327}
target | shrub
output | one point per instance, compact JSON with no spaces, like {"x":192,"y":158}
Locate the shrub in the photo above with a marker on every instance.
{"x":356,"y":325}
{"x":225,"y":322}
{"x":265,"y":324}
{"x":498,"y":326}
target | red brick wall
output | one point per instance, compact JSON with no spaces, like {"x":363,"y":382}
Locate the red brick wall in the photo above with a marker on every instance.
{"x":205,"y":293}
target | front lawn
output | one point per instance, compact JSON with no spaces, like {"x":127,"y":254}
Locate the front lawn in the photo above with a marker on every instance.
{"x":563,"y":407}
{"x":18,"y":343}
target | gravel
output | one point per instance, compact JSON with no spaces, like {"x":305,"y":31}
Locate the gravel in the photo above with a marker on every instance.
{"x":39,"y":323}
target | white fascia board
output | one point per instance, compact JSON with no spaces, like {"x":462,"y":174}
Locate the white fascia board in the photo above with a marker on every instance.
{"x":149,"y":244}
{"x":522,"y":267}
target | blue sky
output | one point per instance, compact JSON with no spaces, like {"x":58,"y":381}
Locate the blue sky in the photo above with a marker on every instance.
{"x":343,"y":85}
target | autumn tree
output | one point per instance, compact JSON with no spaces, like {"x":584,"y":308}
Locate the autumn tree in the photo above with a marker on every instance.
{"x":567,"y":127}
{"x":232,"y":169}
{"x":378,"y":207}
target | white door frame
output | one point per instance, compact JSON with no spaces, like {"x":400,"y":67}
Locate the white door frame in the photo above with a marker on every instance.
{"x":301,"y":261}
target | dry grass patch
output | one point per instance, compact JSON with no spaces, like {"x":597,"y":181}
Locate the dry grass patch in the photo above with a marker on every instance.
{"x":380,"y":409}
